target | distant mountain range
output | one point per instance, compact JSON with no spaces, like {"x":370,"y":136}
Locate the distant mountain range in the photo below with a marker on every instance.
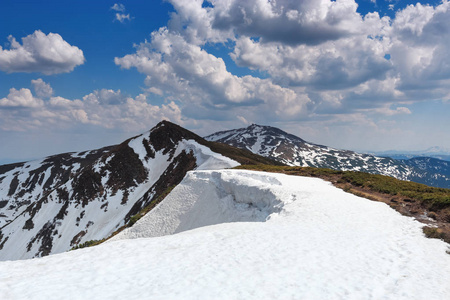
{"x":434,"y":152}
{"x":289,"y":149}
{"x":51,"y":205}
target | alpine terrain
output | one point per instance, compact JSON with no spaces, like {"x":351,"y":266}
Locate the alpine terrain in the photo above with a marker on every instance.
{"x":289,"y":149}
{"x":234,"y":234}
{"x":51,"y":205}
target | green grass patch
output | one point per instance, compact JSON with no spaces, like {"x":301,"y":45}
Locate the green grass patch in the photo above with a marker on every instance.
{"x":433,"y":233}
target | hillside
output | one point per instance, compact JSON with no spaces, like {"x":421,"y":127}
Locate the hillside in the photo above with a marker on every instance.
{"x":51,"y":205}
{"x":429,"y":171}
{"x":279,"y":237}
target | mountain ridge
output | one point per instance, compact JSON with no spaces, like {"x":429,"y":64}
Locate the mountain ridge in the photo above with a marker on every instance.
{"x":51,"y":205}
{"x":433,"y":152}
{"x":291,"y":150}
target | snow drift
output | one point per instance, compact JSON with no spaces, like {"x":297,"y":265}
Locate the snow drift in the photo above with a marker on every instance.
{"x":307,"y":240}
{"x":208,"y":198}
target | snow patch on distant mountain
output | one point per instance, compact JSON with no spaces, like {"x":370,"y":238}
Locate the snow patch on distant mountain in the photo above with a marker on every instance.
{"x":309,"y":241}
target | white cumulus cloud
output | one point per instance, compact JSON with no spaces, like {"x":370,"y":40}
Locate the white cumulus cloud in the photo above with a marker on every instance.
{"x":201,"y":81}
{"x":42,"y":89}
{"x":20,"y":98}
{"x":104,"y":108}
{"x":47,"y":54}
{"x":289,"y":22}
{"x":319,"y":62}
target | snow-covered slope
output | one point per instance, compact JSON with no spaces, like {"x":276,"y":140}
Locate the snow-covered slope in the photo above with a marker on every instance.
{"x":289,"y":238}
{"x":289,"y":149}
{"x":23,"y":183}
{"x":430,"y":171}
{"x":92,"y":200}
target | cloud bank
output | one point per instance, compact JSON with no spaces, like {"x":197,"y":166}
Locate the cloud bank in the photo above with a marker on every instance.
{"x":102,"y":108}
{"x":318,"y":60}
{"x":316,"y":68}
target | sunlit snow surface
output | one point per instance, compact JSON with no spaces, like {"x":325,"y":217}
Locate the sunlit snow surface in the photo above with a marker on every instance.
{"x":317,"y":243}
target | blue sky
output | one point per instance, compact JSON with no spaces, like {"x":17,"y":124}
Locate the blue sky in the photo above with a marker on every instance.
{"x":92,"y":27}
{"x":364,"y":75}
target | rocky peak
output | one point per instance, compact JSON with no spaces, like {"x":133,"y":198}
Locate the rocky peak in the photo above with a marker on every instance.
{"x":50,"y":205}
{"x":167,"y":134}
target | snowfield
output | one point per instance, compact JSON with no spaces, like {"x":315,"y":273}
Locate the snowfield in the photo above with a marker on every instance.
{"x":248,"y":235}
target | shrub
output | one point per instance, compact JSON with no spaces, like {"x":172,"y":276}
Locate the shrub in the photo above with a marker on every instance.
{"x":87,"y":244}
{"x":432,"y":215}
{"x":433,"y":233}
{"x":134,"y":219}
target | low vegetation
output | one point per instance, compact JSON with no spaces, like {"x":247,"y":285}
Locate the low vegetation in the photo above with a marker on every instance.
{"x":87,"y":244}
{"x":432,"y":198}
{"x":433,"y":232}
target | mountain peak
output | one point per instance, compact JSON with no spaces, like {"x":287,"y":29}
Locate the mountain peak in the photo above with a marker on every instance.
{"x":92,"y":193}
{"x":167,"y":134}
{"x":291,"y":150}
{"x":252,"y":135}
{"x":253,"y":125}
